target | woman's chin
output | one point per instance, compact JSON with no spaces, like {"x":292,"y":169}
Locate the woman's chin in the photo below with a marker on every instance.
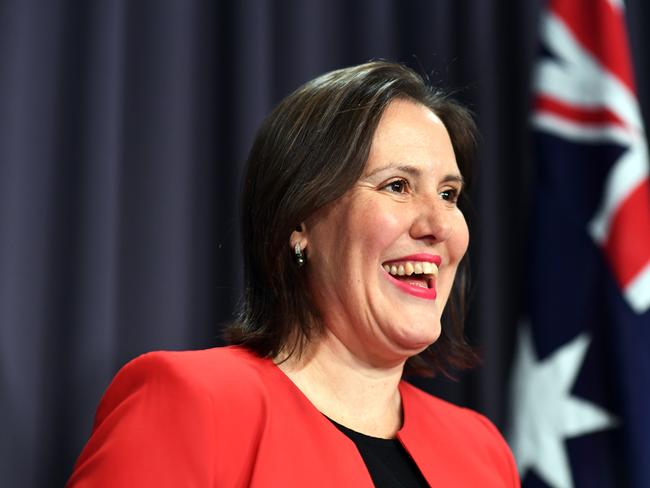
{"x":416,"y":341}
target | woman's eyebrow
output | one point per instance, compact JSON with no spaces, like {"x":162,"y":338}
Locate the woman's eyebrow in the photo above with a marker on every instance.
{"x":406,"y":168}
{"x":455,"y":179}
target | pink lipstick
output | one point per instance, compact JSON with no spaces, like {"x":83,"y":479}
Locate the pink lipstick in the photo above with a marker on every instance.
{"x":425,"y":258}
{"x":416,"y":289}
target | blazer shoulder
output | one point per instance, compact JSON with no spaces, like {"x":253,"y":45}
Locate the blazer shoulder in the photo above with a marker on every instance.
{"x":475,"y":432}
{"x":177,"y":419}
{"x":229,"y":374}
{"x":215,"y":367}
{"x":425,"y":403}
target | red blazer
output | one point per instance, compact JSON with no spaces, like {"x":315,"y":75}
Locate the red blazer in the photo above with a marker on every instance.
{"x":225,"y":418}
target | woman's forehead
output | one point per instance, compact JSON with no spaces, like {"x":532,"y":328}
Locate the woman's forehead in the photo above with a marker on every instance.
{"x":411,"y":136}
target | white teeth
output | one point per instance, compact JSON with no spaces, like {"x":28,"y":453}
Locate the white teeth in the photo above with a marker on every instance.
{"x":409,"y":268}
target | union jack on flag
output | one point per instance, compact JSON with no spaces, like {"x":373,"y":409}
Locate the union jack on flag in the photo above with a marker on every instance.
{"x":581,"y":380}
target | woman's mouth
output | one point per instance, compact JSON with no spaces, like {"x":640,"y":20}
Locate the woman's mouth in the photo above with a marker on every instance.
{"x":417,"y":278}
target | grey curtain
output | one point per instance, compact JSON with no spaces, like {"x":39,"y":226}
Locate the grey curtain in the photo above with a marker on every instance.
{"x":123,"y":130}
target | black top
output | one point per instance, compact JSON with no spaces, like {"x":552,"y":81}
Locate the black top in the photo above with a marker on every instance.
{"x":389,"y":464}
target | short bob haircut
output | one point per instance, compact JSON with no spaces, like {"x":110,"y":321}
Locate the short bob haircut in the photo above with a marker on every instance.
{"x":308,"y":152}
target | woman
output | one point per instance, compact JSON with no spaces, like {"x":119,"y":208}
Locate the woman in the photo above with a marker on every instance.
{"x":354,"y":274}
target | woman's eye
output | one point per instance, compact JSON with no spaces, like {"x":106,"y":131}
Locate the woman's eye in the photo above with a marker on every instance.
{"x":397,"y":186}
{"x":450,"y":195}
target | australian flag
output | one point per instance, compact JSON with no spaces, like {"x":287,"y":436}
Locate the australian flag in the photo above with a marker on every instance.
{"x":581,"y":377}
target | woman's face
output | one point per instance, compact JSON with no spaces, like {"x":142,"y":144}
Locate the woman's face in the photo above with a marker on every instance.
{"x":382,"y":258}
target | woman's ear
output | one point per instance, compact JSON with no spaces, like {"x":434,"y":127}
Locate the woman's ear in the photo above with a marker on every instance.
{"x":298,"y":236}
{"x":298,"y":242}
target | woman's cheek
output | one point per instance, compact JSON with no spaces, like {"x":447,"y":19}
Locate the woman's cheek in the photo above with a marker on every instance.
{"x":460,"y":238}
{"x":383,"y":227}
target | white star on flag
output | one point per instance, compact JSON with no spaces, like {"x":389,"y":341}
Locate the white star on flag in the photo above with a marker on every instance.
{"x":544,"y":411}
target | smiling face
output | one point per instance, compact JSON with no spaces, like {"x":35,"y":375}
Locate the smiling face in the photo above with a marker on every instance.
{"x":382,"y":258}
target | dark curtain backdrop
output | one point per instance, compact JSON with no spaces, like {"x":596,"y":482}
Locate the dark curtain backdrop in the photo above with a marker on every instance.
{"x":123,"y":130}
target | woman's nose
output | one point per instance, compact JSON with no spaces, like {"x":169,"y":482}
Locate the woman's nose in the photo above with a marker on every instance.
{"x":432,"y":221}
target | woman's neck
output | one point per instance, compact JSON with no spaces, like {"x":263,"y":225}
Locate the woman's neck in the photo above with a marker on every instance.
{"x":360,"y":396}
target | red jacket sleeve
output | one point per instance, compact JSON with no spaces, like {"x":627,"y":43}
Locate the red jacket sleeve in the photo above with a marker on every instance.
{"x":153,"y":428}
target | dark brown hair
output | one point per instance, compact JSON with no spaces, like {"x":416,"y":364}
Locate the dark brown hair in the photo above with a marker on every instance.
{"x":308,"y":152}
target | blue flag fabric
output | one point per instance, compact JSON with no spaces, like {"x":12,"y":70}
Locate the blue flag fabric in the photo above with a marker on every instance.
{"x":580,"y":400}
